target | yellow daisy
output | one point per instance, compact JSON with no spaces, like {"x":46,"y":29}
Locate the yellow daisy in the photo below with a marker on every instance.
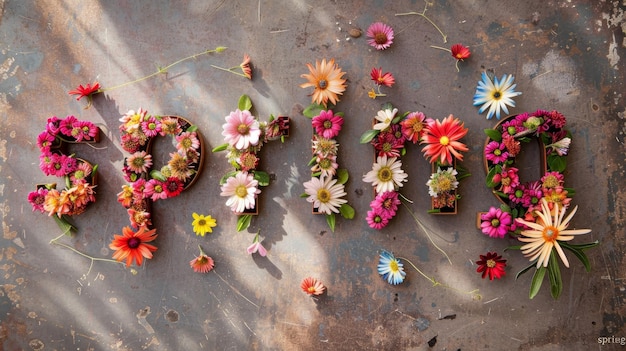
{"x":326,"y":78}
{"x":546,"y":234}
{"x":203,"y":224}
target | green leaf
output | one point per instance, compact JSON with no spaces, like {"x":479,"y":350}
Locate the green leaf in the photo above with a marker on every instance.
{"x":493,"y":134}
{"x":577,"y":250}
{"x":368,"y":136}
{"x":262,"y":177}
{"x":156,"y":174}
{"x":557,"y":163}
{"x":220,"y":148}
{"x":435,"y":210}
{"x":192,"y":128}
{"x":94,"y":170}
{"x":505,"y":208}
{"x":243,"y":222}
{"x":554,"y":274}
{"x":313,"y":161}
{"x":397,"y":119}
{"x":346,"y":211}
{"x":304,"y":195}
{"x":340,"y":114}
{"x":519,"y":274}
{"x":403,"y":152}
{"x":330,"y":219}
{"x":66,"y":227}
{"x":584,"y":246}
{"x":342,"y":176}
{"x":245,"y":103}
{"x":387,"y":106}
{"x":313,"y":110}
{"x":226,"y":176}
{"x":514,"y":247}
{"x":489,"y":181}
{"x":535,"y":285}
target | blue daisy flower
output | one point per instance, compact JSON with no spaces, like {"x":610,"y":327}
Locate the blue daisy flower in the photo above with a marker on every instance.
{"x":390,"y":268}
{"x":495,"y":94}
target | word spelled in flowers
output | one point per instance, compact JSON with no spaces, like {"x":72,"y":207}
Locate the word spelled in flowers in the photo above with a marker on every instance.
{"x":326,"y":188}
{"x":388,"y":136}
{"x":443,"y":149}
{"x":79,"y":175}
{"x":138,"y":130}
{"x":244,"y":136}
{"x":534,"y":211}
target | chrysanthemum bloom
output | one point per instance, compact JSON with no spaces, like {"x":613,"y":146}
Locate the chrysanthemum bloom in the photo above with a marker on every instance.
{"x":241,"y":129}
{"x":312,"y":286}
{"x":496,"y":223}
{"x":132,"y":245}
{"x":202,"y":263}
{"x":83,"y":170}
{"x":170,"y":126}
{"x":557,"y":198}
{"x":245,"y":66}
{"x":203,"y":224}
{"x":37,"y":199}
{"x":384,"y":118}
{"x":379,"y":78}
{"x":248,"y":161}
{"x":413,"y":126}
{"x":512,"y":145}
{"x":442,"y":139}
{"x":256,"y":247}
{"x":386,"y":174}
{"x":151,"y":127}
{"x":45,"y":141}
{"x":495,"y":152}
{"x":139,"y":162}
{"x":377,"y":219}
{"x":532,"y":194}
{"x":125,"y":197}
{"x":327,"y":124}
{"x":139,"y":217}
{"x":326,"y":166}
{"x":552,"y":180}
{"x":460,"y":52}
{"x":241,"y":190}
{"x":187,"y":140}
{"x":391,"y":269}
{"x":386,"y":144}
{"x":387,"y":203}
{"x":131,"y":121}
{"x":380,"y":34}
{"x":491,"y":264}
{"x":155,"y":189}
{"x":508,"y":179}
{"x":85,"y":91}
{"x":495,"y":95}
{"x":324,"y":147}
{"x":179,"y":166}
{"x":444,"y":200}
{"x":545,"y":235}
{"x":83,"y":130}
{"x":173,"y":186}
{"x":130,"y":143}
{"x":325,"y":194}
{"x":327,"y":80}
{"x":442,"y":181}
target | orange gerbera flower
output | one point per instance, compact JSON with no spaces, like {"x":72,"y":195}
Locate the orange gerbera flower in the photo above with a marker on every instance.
{"x":312,"y":286}
{"x":327,"y":81}
{"x":443,"y":140}
{"x":132,"y":245}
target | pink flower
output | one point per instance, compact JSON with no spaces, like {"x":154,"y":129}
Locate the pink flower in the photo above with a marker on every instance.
{"x":67,"y":125}
{"x":151,"y":127}
{"x":460,"y":52}
{"x":508,"y":179}
{"x":380,"y":34}
{"x":256,"y":247}
{"x":37,"y":199}
{"x":46,"y":164}
{"x":413,"y":126}
{"x":496,"y":223}
{"x":495,"y":152}
{"x":386,"y":204}
{"x":379,"y":78}
{"x":327,"y":124}
{"x":377,"y":219}
{"x":139,"y":162}
{"x":45,"y":140}
{"x":155,"y":189}
{"x":241,"y":190}
{"x":241,"y":129}
{"x":187,"y":141}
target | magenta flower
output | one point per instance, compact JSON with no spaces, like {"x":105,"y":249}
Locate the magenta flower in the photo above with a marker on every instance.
{"x":241,"y":129}
{"x":508,"y":179}
{"x":256,"y":247}
{"x":37,"y":199}
{"x":44,"y":141}
{"x":380,"y":34}
{"x":495,"y":152}
{"x":496,"y":223}
{"x":327,"y":124}
{"x":376,"y":219}
{"x":46,"y":162}
{"x":155,"y":189}
{"x":151,"y":127}
{"x":387,"y":144}
{"x":67,"y":125}
{"x":386,"y":204}
{"x":130,"y":143}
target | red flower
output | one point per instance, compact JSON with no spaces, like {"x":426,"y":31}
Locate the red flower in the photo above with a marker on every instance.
{"x":87,"y":90}
{"x":312,"y":286}
{"x":491,"y":264}
{"x":379,"y":78}
{"x":132,"y":245}
{"x":443,"y":140}
{"x":460,"y":52}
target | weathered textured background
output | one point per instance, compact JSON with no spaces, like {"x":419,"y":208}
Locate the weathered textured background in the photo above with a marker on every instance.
{"x":566,"y":55}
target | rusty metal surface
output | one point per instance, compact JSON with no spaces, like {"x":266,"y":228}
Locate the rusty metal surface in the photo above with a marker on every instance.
{"x":565,"y":55}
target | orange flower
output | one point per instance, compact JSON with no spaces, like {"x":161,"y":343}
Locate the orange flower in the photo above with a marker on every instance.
{"x":460,"y":52}
{"x":312,"y":286}
{"x":443,"y":140}
{"x":202,"y":263}
{"x":245,"y":66}
{"x":132,"y":245}
{"x":326,"y":78}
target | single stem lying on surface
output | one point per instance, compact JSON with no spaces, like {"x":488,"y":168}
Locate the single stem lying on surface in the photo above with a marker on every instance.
{"x":54,"y":242}
{"x":448,"y":50}
{"x":436,"y":283}
{"x":230,"y":70}
{"x":164,"y":69}
{"x":426,"y":231}
{"x":423,"y":14}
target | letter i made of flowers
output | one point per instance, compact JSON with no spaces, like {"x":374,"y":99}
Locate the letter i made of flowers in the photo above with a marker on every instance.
{"x":244,"y":135}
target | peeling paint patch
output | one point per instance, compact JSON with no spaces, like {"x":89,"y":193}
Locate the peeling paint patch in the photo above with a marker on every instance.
{"x":3,"y":150}
{"x":612,"y":55}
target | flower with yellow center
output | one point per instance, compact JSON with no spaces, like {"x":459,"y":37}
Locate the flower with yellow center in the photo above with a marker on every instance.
{"x":327,"y":80}
{"x":203,"y":224}
{"x":546,"y":234}
{"x":386,"y":174}
{"x":241,"y":190}
{"x":325,"y":194}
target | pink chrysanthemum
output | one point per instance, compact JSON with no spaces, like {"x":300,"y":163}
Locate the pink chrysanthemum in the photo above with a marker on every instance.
{"x":187,"y":141}
{"x":496,"y":152}
{"x":139,"y":162}
{"x":37,"y":199}
{"x":312,"y":286}
{"x":413,"y":126}
{"x":387,"y":203}
{"x":380,"y":34}
{"x":241,"y":129}
{"x":496,"y":223}
{"x":376,"y":219}
{"x":151,"y":127}
{"x":155,"y":189}
{"x":327,"y":124}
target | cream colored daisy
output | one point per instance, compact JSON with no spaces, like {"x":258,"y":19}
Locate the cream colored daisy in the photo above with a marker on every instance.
{"x":386,"y":174}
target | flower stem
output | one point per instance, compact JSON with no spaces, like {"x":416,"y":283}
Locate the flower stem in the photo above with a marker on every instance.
{"x":423,"y":14}
{"x":164,"y":69}
{"x":229,"y":70}
{"x":201,"y":251}
{"x":93,"y":259}
{"x":426,"y":231}
{"x":440,"y":48}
